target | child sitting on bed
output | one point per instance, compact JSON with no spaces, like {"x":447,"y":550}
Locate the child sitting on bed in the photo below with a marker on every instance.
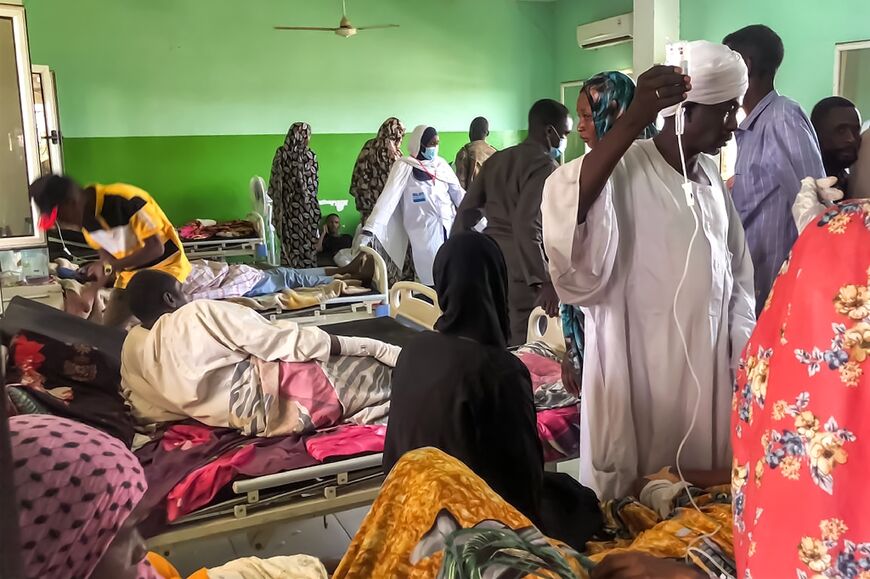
{"x":226,"y":366}
{"x":215,"y":280}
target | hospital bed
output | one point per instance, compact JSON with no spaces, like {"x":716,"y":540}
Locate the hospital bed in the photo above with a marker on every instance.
{"x":543,"y":328}
{"x":262,"y":502}
{"x":71,"y":245}
{"x":419,"y":304}
{"x":331,"y":487}
{"x":414,"y":302}
{"x":342,"y":308}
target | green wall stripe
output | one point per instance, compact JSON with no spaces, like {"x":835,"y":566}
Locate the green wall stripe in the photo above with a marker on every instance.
{"x":207,"y":176}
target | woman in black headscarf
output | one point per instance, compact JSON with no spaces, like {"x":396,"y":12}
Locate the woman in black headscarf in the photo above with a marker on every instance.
{"x":458,"y":389}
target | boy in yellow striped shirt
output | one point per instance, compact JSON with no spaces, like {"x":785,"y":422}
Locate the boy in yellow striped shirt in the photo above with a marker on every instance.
{"x":123,"y":223}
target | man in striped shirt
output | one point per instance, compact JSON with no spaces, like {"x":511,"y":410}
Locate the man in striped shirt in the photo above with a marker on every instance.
{"x":776,"y":148}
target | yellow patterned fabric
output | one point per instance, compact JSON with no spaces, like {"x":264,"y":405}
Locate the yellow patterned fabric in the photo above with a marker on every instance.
{"x":422,"y":484}
{"x":638,"y":528}
{"x":426,"y":483}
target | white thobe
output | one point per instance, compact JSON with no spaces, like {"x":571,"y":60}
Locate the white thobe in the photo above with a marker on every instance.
{"x":419,"y":212}
{"x":623,"y":266}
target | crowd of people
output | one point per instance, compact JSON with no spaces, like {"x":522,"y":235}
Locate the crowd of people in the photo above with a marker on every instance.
{"x":717,"y":331}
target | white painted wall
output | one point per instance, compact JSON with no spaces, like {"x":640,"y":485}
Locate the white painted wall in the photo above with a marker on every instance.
{"x":656,"y":23}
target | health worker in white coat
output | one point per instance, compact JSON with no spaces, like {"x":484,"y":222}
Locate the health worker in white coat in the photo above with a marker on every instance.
{"x":418,"y":205}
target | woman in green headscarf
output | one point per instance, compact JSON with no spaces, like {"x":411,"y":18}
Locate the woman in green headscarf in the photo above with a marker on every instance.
{"x":603,"y":98}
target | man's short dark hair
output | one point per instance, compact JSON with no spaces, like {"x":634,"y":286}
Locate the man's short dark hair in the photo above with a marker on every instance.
{"x":331,"y":215}
{"x":50,"y":191}
{"x":825,"y":106}
{"x":479,"y":129}
{"x":547,"y":112}
{"x":145,"y":292}
{"x":759,"y":44}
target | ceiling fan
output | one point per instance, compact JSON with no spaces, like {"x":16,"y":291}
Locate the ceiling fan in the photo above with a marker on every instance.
{"x":345,"y":29}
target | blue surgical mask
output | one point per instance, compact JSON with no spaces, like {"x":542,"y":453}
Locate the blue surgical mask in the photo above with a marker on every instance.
{"x":558,"y":152}
{"x":429,"y":153}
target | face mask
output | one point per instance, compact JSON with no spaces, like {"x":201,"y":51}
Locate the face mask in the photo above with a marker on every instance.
{"x":558,"y":152}
{"x":429,"y":153}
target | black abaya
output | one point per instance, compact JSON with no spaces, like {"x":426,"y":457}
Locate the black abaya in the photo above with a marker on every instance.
{"x":461,"y":391}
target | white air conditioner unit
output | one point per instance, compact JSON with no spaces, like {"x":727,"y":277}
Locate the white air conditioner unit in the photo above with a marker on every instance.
{"x":606,"y":32}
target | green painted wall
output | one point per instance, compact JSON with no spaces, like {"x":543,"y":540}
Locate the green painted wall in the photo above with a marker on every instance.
{"x":189,"y":98}
{"x":809,"y":30}
{"x":207,"y":176}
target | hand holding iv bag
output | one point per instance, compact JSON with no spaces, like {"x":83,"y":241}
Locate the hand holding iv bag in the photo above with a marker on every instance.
{"x":677,"y":54}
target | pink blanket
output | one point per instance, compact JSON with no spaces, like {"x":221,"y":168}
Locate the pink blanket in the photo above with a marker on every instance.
{"x":545,"y":371}
{"x":348,"y":440}
{"x":559,"y":430}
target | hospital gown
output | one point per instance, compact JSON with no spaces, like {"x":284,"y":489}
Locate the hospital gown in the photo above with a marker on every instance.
{"x":623,"y":265}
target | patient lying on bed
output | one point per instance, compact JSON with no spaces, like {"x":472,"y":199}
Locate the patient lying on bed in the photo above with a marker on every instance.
{"x":226,"y":366}
{"x":215,"y":280}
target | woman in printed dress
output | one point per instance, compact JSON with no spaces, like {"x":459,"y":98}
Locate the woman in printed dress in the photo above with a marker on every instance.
{"x":293,"y":187}
{"x":800,"y":428}
{"x":370,"y":173}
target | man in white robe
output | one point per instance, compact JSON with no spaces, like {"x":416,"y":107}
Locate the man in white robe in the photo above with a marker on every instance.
{"x":618,"y":228}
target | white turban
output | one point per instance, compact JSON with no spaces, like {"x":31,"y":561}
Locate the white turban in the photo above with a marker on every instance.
{"x":718,"y":75}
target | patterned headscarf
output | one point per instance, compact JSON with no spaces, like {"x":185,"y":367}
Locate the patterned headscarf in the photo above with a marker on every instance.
{"x":373,"y":165}
{"x":605,"y":88}
{"x":600,"y":90}
{"x":293,"y":188}
{"x":75,"y":487}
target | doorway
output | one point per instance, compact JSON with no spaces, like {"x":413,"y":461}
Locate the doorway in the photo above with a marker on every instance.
{"x":852,"y":74}
{"x":47,"y":123}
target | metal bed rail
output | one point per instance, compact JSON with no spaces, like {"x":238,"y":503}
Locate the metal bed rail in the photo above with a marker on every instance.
{"x":302,"y":493}
{"x":342,"y":308}
{"x":339,"y":469}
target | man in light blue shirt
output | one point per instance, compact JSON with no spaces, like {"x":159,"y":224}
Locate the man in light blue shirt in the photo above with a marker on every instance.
{"x":776,"y":148}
